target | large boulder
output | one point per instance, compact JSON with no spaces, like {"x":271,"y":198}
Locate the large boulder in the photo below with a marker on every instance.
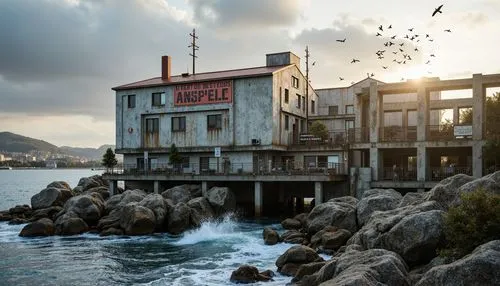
{"x":413,"y":198}
{"x":179,"y":194}
{"x":294,"y":237}
{"x":159,"y":206}
{"x":376,"y":200}
{"x":291,"y":223}
{"x":87,"y":183}
{"x":354,"y":267}
{"x":49,"y":213}
{"x":201,"y":210}
{"x":56,"y":194}
{"x":123,"y":199}
{"x":307,"y":269}
{"x":42,"y":227}
{"x":103,"y":191}
{"x":249,"y":274}
{"x":480,"y":268}
{"x":222,"y":199}
{"x":90,"y":208}
{"x":137,"y":220}
{"x":271,"y":236}
{"x":334,"y":240}
{"x":447,"y":191}
{"x":70,"y":224}
{"x":179,"y":219}
{"x":339,"y":212}
{"x":289,"y":262}
{"x":414,"y":232}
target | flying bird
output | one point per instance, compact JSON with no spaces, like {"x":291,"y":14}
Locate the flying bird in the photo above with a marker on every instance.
{"x":402,"y":44}
{"x":437,"y":10}
{"x":380,"y":57}
{"x":409,"y":58}
{"x":354,"y":61}
{"x":401,"y":50}
{"x":411,"y":29}
{"x":407,"y":37}
{"x":448,"y":30}
{"x":428,"y":62}
{"x":416,"y":49}
{"x":313,"y":63}
{"x":380,"y":28}
{"x":341,"y":78}
{"x":394,"y":52}
{"x":341,"y":41}
{"x":372,"y":75}
{"x":384,"y":67}
{"x":427,"y":35}
{"x":386,"y":44}
{"x":431,"y":40}
{"x":393,"y":37}
{"x":402,"y":79}
{"x":391,"y":43}
{"x":378,"y":34}
{"x":432,"y":55}
{"x":390,"y":27}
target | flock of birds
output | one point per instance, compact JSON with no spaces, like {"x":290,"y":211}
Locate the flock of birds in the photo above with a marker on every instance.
{"x":402,"y":49}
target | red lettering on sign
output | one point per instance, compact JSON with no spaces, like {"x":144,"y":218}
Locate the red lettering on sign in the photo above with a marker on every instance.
{"x":203,"y":93}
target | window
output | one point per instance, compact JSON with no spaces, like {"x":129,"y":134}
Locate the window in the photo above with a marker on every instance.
{"x":185,"y":162}
{"x":313,"y":106}
{"x":333,"y":110}
{"x":178,"y":124}
{"x":349,"y":109}
{"x":286,"y":122}
{"x":349,"y":124}
{"x":303,"y":103}
{"x":295,"y":82}
{"x":214,"y":121}
{"x":298,"y":101}
{"x":152,"y":125}
{"x":286,"y":95}
{"x":131,"y":101}
{"x":158,"y":99}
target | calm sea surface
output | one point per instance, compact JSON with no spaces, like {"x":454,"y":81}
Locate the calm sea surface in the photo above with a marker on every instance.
{"x":205,"y":256}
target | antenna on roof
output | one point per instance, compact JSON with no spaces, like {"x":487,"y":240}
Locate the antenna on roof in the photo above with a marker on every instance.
{"x":194,"y":47}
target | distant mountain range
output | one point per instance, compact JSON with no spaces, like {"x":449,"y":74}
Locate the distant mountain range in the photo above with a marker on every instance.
{"x":11,"y":142}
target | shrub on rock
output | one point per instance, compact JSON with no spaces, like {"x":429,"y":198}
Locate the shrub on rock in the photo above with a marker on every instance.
{"x":474,"y":222}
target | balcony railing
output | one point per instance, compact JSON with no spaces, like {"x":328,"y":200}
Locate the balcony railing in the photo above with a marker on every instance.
{"x":359,"y":135}
{"x":398,"y":134}
{"x":440,"y":173}
{"x":235,"y":169}
{"x":399,"y":174}
{"x":440,"y":132}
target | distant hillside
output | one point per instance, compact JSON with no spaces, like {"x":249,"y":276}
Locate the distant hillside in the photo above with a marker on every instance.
{"x":11,"y":142}
{"x":90,"y":153}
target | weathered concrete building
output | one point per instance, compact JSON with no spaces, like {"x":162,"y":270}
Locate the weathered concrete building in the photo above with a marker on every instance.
{"x":235,"y":125}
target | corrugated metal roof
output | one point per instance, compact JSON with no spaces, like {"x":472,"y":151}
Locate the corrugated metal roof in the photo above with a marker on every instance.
{"x":179,"y":79}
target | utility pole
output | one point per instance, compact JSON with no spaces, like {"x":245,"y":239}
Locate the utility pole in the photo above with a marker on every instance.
{"x":307,"y":89}
{"x":194,"y":47}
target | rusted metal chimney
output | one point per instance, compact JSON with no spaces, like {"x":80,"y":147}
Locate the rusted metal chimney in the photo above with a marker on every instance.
{"x":165,"y":67}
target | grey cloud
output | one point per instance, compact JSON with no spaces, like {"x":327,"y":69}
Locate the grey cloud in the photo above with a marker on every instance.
{"x":474,"y":18}
{"x":244,"y":13}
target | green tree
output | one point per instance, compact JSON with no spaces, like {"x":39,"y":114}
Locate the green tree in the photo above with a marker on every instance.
{"x":174,"y":156}
{"x":465,"y":116}
{"x":318,"y":129}
{"x":474,"y":222}
{"x":491,"y":151}
{"x":109,"y":159}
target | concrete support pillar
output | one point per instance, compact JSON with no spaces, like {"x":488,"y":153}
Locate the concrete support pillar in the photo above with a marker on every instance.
{"x":422,"y":162}
{"x":204,"y":187}
{"x":258,"y":199}
{"x":113,"y":186}
{"x":318,"y":193}
{"x":422,"y":113}
{"x":456,"y":115}
{"x":375,"y":163}
{"x":156,"y":187}
{"x":478,"y":106}
{"x":376,"y":112}
{"x":477,"y":159}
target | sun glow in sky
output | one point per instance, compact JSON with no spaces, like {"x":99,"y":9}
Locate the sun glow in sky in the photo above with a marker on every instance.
{"x":60,"y":58}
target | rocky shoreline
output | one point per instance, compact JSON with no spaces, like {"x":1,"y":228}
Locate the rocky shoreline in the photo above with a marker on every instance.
{"x":60,"y":210}
{"x":384,"y":238}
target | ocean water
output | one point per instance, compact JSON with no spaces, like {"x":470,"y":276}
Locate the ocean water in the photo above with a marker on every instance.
{"x":204,"y":256}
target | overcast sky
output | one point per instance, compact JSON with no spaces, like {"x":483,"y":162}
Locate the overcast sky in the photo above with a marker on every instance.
{"x":59,"y":59}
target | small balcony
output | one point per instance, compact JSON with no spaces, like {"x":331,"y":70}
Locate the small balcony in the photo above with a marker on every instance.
{"x":398,"y":134}
{"x":399,"y":174}
{"x":439,"y":173}
{"x":358,"y":135}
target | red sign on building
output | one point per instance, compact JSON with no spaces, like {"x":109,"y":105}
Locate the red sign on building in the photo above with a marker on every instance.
{"x":220,"y":91}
